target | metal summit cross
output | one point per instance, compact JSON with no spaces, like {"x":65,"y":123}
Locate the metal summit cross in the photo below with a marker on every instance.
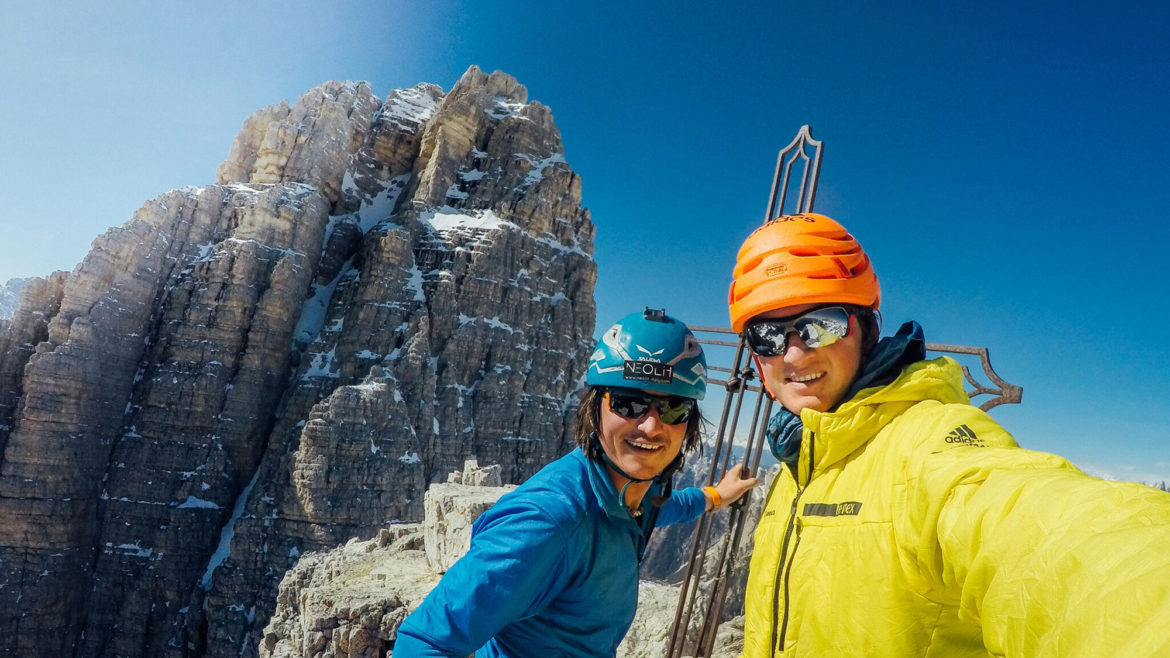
{"x":705,"y":586}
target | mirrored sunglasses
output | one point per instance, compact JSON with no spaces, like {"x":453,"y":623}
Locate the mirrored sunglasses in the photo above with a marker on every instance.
{"x":818,"y":328}
{"x":634,"y":405}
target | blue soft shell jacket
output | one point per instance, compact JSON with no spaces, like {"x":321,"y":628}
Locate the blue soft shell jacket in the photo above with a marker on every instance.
{"x":552,"y":570}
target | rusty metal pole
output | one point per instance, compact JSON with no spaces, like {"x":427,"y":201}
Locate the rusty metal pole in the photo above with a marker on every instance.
{"x":735,"y":385}
{"x":741,"y":372}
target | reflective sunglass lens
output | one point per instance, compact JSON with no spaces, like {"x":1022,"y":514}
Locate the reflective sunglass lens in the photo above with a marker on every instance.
{"x":766,"y":339}
{"x":818,"y":328}
{"x":825,"y":326}
{"x":638,"y":408}
{"x":675,"y":411}
{"x":814,"y":334}
{"x":671,"y":411}
{"x":628,"y":407}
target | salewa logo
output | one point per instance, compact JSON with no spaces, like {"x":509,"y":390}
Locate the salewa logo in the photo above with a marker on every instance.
{"x":963,"y":434}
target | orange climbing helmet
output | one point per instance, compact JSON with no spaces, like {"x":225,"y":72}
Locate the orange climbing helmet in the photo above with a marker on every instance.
{"x":799,"y":259}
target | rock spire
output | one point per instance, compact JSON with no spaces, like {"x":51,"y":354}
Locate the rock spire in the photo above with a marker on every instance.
{"x":372,"y":291}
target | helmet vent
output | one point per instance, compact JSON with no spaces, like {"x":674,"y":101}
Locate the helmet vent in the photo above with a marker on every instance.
{"x":804,"y":253}
{"x":750,"y":265}
{"x":842,"y":272}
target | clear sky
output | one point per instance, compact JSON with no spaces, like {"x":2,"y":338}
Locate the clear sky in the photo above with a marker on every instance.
{"x":1004,"y":164}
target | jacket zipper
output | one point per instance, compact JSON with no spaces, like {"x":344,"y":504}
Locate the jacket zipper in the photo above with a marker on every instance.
{"x":784,"y":568}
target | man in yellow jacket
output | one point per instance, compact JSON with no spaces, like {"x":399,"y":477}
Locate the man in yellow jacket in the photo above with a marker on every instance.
{"x":906,"y":522}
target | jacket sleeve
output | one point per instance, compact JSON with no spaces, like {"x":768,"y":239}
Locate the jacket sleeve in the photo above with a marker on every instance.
{"x":683,"y":506}
{"x":515,"y":566}
{"x":1045,"y":559}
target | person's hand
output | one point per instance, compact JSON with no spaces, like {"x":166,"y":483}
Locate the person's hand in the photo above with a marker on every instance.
{"x":732,"y":487}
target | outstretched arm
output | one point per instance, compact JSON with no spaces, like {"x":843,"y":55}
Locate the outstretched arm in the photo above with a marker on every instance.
{"x":1047,"y":560}
{"x":729,"y":489}
{"x":688,"y":504}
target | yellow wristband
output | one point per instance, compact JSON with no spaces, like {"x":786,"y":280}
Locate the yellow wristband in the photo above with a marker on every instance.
{"x":716,"y":499}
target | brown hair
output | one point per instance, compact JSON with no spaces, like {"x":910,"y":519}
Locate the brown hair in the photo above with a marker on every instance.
{"x":871,"y":326}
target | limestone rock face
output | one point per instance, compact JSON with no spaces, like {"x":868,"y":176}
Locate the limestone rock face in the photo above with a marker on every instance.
{"x":374,"y":291}
{"x":311,"y":142}
{"x":649,"y":635}
{"x":10,"y":297}
{"x":449,"y":510}
{"x":137,"y":410}
{"x":349,"y":602}
{"x":26,"y":328}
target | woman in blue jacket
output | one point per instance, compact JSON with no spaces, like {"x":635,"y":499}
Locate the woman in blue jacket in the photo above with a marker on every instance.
{"x":553,"y":566}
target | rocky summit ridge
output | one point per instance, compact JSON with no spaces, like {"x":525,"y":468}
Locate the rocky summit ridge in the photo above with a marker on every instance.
{"x":374,"y":290}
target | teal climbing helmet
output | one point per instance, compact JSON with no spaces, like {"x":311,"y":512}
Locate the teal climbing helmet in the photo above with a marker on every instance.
{"x":651,"y":351}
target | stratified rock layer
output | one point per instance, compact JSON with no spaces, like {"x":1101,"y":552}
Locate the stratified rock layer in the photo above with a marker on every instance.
{"x":373,"y":291}
{"x":449,"y":509}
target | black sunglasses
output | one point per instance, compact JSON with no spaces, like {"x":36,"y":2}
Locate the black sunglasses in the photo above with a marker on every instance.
{"x":819,"y":327}
{"x":634,"y":405}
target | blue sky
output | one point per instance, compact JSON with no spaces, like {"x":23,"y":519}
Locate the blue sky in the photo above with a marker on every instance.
{"x":1003,"y":163}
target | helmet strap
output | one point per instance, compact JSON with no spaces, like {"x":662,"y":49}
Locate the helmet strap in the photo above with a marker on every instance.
{"x":763,"y":379}
{"x":666,"y":479}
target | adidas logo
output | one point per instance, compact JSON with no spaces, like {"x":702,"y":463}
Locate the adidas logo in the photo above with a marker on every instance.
{"x":964,"y":435}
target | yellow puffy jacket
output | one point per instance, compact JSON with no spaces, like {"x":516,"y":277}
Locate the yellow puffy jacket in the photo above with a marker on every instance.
{"x":915,"y":526}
